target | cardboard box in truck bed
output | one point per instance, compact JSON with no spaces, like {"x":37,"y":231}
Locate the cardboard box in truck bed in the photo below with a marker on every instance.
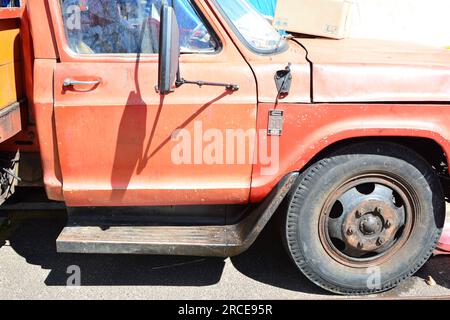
{"x":326,"y":18}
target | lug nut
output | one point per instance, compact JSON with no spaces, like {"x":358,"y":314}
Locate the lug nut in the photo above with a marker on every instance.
{"x":349,"y":231}
{"x":379,"y":210}
{"x":360,"y":245}
{"x":388,"y":224}
{"x":358,"y":214}
{"x":380,"y":241}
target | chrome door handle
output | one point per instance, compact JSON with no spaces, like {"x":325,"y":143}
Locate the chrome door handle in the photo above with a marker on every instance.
{"x":70,"y":82}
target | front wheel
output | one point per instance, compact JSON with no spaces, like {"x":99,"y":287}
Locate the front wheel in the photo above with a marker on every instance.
{"x":365,"y":218}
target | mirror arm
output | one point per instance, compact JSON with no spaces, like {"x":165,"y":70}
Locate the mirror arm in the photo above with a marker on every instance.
{"x":228,"y":86}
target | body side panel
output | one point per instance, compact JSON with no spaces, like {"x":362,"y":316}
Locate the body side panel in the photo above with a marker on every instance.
{"x":41,"y":26}
{"x":43,"y":109}
{"x":310,"y":128}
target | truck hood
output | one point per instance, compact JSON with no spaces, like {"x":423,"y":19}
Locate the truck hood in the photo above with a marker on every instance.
{"x":355,"y":70}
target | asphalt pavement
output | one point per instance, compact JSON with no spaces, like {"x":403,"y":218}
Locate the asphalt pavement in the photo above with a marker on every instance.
{"x":30,"y":268}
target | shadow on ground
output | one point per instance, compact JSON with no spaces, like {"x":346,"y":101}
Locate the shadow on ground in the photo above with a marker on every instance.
{"x":439,"y":269}
{"x":266,"y":262}
{"x":35,"y":240}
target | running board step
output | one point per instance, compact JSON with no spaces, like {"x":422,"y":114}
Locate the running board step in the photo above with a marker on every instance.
{"x":196,"y":241}
{"x":218,"y":241}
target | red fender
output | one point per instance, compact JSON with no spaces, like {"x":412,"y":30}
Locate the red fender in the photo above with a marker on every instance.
{"x":444,"y":243}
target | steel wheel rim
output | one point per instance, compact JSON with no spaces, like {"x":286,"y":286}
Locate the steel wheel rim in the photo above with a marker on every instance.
{"x":362,"y":236}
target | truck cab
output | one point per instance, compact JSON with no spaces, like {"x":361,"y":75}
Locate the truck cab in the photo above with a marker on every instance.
{"x":183,"y":128}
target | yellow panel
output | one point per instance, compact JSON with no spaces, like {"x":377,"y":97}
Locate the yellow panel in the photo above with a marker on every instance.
{"x":10,"y":42}
{"x":11,"y":89}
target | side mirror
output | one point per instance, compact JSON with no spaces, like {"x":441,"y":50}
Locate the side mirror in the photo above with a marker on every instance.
{"x":169,"y":50}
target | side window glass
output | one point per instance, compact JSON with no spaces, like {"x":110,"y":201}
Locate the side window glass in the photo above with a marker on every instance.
{"x":130,"y":26}
{"x":9,"y":3}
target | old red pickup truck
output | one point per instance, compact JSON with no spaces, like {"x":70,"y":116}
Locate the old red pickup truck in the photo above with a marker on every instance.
{"x":184,"y":129}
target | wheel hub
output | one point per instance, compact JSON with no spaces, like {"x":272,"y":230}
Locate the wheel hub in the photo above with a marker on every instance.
{"x":374,"y":225}
{"x":370,"y":225}
{"x":366,"y":223}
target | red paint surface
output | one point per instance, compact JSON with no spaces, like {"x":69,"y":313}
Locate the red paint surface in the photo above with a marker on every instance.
{"x":309,"y":128}
{"x":11,"y":13}
{"x":444,"y":242}
{"x":115,"y":139}
{"x":109,"y":145}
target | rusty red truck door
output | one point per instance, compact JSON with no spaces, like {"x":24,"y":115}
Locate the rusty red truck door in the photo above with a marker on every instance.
{"x":122,"y":144}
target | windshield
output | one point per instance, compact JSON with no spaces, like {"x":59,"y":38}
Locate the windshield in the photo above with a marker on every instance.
{"x":252,"y":26}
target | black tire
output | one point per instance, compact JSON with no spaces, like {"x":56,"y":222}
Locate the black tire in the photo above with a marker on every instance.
{"x":321,"y":262}
{"x":9,"y":183}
